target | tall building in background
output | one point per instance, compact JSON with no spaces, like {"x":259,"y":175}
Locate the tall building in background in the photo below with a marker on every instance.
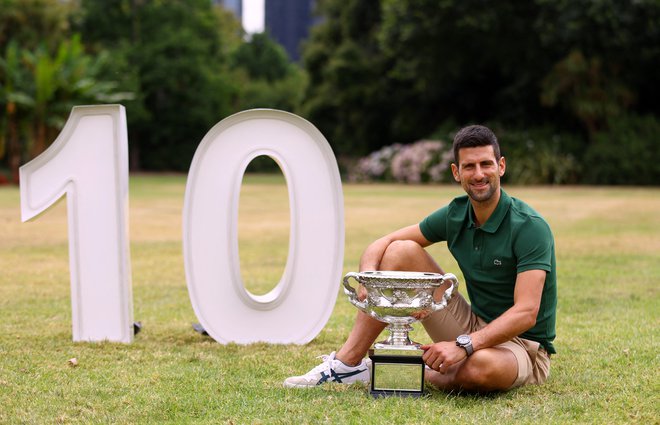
{"x":288,"y":22}
{"x":236,"y":6}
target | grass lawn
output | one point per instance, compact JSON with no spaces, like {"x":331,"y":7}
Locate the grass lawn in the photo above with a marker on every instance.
{"x":606,"y":369}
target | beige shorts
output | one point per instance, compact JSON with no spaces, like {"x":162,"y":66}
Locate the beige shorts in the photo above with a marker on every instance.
{"x":457,"y":319}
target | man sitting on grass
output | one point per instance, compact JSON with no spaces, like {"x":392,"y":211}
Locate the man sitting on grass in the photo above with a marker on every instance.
{"x":505,"y":250}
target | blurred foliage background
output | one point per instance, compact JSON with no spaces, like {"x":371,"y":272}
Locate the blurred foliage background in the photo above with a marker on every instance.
{"x":571,"y":87}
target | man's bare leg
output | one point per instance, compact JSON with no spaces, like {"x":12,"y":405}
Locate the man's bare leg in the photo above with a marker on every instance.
{"x":399,"y":256}
{"x":490,"y":369}
{"x":365,"y":331}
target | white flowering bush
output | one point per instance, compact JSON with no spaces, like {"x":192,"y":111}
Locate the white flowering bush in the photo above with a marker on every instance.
{"x":425,"y":161}
{"x":376,"y":166}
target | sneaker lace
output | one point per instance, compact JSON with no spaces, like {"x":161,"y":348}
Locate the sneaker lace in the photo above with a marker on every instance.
{"x":324,"y":366}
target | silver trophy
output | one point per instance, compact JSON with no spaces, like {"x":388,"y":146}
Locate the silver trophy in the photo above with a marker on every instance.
{"x":398,"y":299}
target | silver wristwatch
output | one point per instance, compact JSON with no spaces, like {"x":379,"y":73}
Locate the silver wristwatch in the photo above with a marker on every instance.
{"x":466,"y":342}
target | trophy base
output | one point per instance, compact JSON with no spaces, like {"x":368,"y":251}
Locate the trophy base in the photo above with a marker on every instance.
{"x":396,"y":371}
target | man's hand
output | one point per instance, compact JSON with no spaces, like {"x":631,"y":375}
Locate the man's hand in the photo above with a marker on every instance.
{"x":441,"y":355}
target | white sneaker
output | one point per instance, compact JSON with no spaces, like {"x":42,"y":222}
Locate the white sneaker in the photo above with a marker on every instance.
{"x":331,"y":370}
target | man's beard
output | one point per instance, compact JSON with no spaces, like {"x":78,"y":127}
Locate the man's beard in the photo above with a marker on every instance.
{"x":484,"y":195}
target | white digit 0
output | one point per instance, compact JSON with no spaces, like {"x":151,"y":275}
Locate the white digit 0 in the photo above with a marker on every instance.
{"x":89,"y":163}
{"x":299,"y":306}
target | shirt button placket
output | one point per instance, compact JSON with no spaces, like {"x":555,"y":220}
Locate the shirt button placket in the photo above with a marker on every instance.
{"x":476,"y":243}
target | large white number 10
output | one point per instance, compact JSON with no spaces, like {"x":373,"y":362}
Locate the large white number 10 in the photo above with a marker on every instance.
{"x":88,"y":163}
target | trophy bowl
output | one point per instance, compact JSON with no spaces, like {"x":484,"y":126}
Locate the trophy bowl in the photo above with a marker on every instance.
{"x":399,"y":299}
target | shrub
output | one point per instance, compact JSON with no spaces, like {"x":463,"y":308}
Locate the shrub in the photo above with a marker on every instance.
{"x":376,"y":166}
{"x":425,"y":161}
{"x":540,"y":156}
{"x":534,"y":156}
{"x":627,"y":153}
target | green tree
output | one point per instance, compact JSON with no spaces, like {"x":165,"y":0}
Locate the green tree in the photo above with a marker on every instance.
{"x":589,"y":92}
{"x":16,"y":101}
{"x":394,"y":70}
{"x":347,"y":96}
{"x":174,"y":54}
{"x":623,"y":37}
{"x":24,"y":24}
{"x":34,"y":22}
{"x":462,"y":60}
{"x":262,"y":58}
{"x":265,"y":77}
{"x":38,"y":90}
{"x":44,"y":71}
{"x":61,"y":81}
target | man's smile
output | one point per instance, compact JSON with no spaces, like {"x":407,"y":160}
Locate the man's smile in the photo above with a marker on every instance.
{"x":480,"y":184}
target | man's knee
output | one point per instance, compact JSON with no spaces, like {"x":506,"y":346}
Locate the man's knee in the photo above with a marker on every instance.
{"x":401,"y":255}
{"x":488,"y":370}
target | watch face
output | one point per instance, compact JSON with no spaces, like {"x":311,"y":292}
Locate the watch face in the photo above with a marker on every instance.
{"x":463,"y":339}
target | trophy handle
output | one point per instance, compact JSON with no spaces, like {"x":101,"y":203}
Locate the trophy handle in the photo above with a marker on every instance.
{"x":437,"y":306}
{"x":352,"y":293}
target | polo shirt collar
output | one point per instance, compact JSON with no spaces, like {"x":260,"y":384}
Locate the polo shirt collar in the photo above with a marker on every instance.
{"x":494,"y":221}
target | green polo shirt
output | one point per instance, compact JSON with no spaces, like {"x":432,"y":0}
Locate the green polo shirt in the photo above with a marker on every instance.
{"x":514,"y":239}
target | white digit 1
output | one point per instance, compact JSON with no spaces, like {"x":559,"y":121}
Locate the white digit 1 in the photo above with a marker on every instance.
{"x":89,"y":163}
{"x":299,"y":306}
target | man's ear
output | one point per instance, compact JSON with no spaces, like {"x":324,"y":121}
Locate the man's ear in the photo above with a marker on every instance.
{"x":502,"y":166}
{"x":454,"y":171}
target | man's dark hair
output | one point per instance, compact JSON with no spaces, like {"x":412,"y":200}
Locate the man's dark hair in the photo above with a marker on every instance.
{"x":474,"y":136}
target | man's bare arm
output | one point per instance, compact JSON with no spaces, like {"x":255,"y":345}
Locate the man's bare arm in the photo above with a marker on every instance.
{"x":513,"y":322}
{"x":520,"y":317}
